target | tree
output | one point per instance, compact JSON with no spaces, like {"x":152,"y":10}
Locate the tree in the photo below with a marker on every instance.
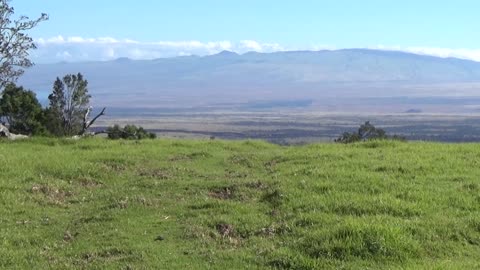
{"x":54,"y":113}
{"x":15,"y":44}
{"x":69,"y":108}
{"x":21,"y":110}
{"x":366,"y":132}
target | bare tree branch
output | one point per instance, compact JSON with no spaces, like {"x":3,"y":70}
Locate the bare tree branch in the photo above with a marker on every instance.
{"x":15,"y":44}
{"x":87,"y":124}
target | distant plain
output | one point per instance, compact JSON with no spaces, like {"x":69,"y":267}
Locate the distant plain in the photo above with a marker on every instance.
{"x":283,"y":97}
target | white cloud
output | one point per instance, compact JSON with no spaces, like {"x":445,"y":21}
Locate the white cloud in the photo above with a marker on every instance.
{"x":75,"y":40}
{"x":251,"y":45}
{"x":106,"y":48}
{"x":53,"y":40}
{"x":468,"y":54}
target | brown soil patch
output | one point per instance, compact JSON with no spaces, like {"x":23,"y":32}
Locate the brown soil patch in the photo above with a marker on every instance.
{"x":257,"y":185}
{"x":155,"y":173}
{"x":235,"y":174}
{"x":56,"y":195}
{"x":225,"y":230}
{"x":89,"y":183}
{"x":225,"y":193}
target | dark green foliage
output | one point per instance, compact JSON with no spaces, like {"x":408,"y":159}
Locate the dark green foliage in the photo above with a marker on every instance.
{"x":21,"y":110}
{"x":369,"y":131}
{"x":129,"y":132}
{"x":69,"y":102}
{"x":53,"y":123}
{"x":348,"y":137}
{"x":366,"y":132}
{"x":115,"y":132}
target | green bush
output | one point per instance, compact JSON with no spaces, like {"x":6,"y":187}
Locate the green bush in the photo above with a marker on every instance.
{"x":367,"y":132}
{"x":129,"y":132}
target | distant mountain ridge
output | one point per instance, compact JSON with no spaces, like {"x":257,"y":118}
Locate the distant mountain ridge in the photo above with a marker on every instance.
{"x":231,"y":77}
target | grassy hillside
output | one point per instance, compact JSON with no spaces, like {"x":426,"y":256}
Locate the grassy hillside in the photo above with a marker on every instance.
{"x":169,"y":204}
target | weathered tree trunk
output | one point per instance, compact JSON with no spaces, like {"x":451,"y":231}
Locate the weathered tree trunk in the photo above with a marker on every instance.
{"x":88,"y":123}
{"x":4,"y":132}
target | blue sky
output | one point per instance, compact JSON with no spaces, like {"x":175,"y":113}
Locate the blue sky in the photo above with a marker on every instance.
{"x":105,"y":29}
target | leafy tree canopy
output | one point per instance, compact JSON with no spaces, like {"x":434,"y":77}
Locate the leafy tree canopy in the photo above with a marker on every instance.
{"x":21,"y":110}
{"x":69,"y":103}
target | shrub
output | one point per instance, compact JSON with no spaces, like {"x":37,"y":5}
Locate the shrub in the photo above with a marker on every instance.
{"x":367,"y":132}
{"x":129,"y":132}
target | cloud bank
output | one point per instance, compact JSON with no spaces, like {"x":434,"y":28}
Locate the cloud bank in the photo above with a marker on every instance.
{"x":74,"y":49}
{"x":106,"y":48}
{"x":468,"y":54}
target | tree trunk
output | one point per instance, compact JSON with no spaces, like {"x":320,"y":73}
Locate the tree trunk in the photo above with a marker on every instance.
{"x":87,"y":124}
{"x":4,"y":132}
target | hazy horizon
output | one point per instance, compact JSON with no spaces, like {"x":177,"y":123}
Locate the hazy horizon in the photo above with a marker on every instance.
{"x":239,"y":52}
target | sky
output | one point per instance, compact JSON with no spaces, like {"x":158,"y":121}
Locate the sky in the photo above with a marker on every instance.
{"x":145,"y":29}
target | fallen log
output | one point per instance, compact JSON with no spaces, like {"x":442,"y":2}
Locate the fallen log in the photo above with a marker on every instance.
{"x":4,"y":132}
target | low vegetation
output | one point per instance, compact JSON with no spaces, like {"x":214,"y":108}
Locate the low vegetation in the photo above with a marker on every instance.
{"x":367,"y":132}
{"x":129,"y":132}
{"x":213,"y":204}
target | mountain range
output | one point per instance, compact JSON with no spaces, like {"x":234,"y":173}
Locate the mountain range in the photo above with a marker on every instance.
{"x":225,"y":79}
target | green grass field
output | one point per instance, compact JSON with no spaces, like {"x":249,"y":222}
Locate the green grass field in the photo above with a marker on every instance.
{"x":184,"y":204}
